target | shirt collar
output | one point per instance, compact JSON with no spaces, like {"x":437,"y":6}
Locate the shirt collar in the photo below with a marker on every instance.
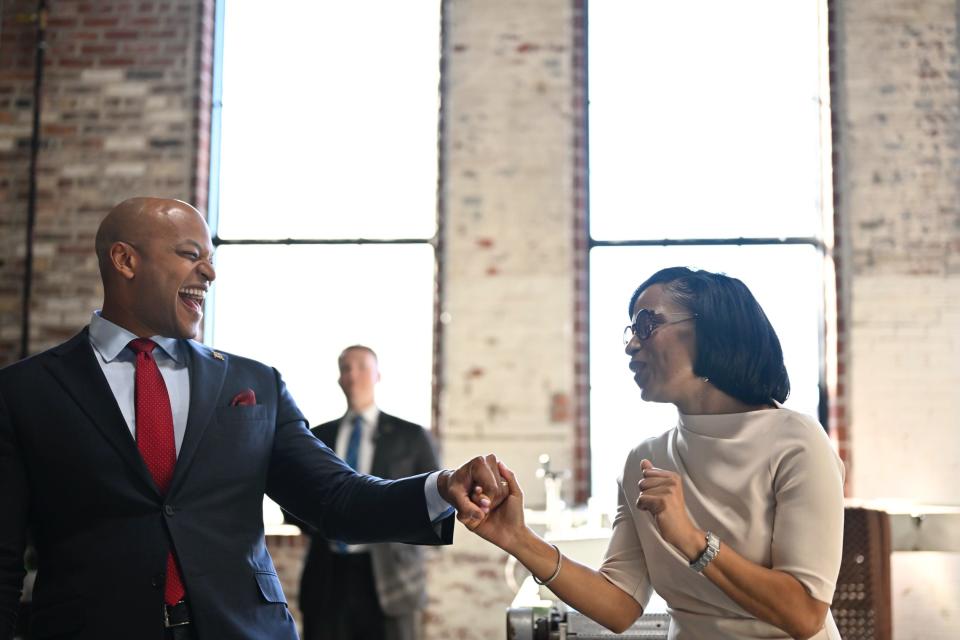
{"x":370,"y":415}
{"x":111,"y":339}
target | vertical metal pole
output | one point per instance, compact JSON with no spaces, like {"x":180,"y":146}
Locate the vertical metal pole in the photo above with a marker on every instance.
{"x":41,"y":18}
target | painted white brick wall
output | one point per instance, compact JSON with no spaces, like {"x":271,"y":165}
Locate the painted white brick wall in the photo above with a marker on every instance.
{"x":898,"y":143}
{"x":508,"y":346}
{"x":899,"y":128}
{"x":905,"y":355}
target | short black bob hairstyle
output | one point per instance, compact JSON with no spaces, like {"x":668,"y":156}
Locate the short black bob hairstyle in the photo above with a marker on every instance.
{"x":737,"y":348}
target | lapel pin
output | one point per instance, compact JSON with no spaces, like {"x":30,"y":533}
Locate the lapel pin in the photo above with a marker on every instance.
{"x":218,"y":355}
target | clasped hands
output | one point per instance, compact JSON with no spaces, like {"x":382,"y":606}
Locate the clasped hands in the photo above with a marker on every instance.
{"x":489,"y":502}
{"x":486,"y":496}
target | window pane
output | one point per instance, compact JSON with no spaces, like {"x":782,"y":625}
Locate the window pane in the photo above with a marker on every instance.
{"x":704,"y":119}
{"x":788,"y":287}
{"x":296,"y":307}
{"x":329,"y":119}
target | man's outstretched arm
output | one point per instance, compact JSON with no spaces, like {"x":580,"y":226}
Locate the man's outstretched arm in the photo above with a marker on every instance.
{"x":307,"y":479}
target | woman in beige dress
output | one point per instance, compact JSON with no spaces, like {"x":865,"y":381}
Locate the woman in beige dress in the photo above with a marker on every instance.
{"x":735,"y":515}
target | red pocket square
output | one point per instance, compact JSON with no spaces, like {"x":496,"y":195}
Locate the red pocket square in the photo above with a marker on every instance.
{"x":245,"y":398}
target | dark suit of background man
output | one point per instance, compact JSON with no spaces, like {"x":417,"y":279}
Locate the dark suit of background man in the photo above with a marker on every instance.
{"x":377,"y":591}
{"x":140,"y":465}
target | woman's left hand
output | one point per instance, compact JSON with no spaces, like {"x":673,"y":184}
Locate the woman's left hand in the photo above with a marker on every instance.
{"x":661,"y":493}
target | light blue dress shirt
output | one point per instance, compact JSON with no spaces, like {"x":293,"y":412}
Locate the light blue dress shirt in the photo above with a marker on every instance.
{"x":119,"y":365}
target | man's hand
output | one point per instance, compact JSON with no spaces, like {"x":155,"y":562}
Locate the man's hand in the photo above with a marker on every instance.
{"x":474,"y":489}
{"x":505,"y":525}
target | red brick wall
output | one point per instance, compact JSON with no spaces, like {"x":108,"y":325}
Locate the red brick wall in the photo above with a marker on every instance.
{"x":581,"y":251}
{"x":837,"y":325}
{"x":16,"y":100}
{"x":124,"y":107}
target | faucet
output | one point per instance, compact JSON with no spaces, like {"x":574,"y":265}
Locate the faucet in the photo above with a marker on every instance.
{"x":553,"y":484}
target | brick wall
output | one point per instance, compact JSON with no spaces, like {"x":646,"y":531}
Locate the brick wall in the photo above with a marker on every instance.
{"x":898,"y":129}
{"x":125,"y":82}
{"x":509,"y":159}
{"x":121,"y":98}
{"x":837,"y":302}
{"x":897,"y":122}
{"x":16,"y":100}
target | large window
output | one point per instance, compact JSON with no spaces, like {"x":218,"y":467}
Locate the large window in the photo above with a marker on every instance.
{"x":323,"y":199}
{"x":706,"y":124}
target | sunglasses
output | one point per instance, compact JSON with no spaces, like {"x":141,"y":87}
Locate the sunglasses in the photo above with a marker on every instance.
{"x":645,"y":322}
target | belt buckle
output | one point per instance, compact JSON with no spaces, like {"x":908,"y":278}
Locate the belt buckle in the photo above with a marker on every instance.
{"x":166,"y":616}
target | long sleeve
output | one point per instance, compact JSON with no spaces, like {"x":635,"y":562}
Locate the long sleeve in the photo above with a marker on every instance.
{"x":14,"y":498}
{"x":311,"y":482}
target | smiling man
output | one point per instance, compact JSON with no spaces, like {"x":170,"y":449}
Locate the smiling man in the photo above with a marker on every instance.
{"x":155,"y":261}
{"x":139,"y":459}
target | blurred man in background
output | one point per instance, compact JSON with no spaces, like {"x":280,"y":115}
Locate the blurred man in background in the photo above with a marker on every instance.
{"x":373,"y":591}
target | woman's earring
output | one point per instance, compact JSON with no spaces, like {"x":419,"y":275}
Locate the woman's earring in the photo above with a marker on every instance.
{"x":705,"y":379}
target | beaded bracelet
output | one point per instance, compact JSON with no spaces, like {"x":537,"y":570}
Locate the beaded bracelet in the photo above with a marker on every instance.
{"x":556,"y":571}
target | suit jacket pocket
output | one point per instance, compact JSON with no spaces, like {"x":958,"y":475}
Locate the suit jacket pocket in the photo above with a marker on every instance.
{"x":240,"y":423}
{"x":270,"y":587}
{"x":242,"y":413}
{"x":57,"y":620}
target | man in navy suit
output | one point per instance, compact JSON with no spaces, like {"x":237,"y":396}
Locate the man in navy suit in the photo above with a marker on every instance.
{"x":139,"y":459}
{"x":377,"y":591}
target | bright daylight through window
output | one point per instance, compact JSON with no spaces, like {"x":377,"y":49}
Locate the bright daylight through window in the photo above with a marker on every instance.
{"x":308,"y":152}
{"x":707,"y":121}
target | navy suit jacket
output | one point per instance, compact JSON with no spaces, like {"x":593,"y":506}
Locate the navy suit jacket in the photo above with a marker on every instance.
{"x":402,"y":448}
{"x":70,"y":470}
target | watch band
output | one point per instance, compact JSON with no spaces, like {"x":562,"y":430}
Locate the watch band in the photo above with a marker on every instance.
{"x":708,"y":554}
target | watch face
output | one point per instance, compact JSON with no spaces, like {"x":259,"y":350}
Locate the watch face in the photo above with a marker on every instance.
{"x":713,"y":542}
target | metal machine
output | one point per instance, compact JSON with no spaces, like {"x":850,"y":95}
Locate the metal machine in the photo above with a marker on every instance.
{"x":536,"y":613}
{"x":554,"y":623}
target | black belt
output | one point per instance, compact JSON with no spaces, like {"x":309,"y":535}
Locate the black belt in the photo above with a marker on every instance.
{"x":176,"y":615}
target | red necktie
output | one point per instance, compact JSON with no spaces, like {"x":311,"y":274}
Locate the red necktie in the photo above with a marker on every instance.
{"x":155,"y":439}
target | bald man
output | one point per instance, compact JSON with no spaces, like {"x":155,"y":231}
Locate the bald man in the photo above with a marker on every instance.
{"x":139,"y":460}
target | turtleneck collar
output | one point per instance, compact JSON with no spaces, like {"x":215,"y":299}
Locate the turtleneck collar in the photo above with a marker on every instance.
{"x":723,"y":425}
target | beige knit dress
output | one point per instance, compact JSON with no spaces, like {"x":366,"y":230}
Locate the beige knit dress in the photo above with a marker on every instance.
{"x":768,"y":483}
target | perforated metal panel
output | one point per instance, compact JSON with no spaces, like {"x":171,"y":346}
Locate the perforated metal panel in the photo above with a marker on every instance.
{"x":862,"y":602}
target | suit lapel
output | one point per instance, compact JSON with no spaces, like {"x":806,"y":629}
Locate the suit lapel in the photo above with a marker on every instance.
{"x":383,"y":449}
{"x":75,"y":366}
{"x":206,"y":380}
